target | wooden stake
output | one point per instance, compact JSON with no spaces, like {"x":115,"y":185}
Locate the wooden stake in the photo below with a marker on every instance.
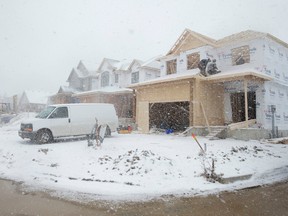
{"x":194,"y":136}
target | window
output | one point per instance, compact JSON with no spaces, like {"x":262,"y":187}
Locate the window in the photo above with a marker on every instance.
{"x":116,"y":78}
{"x":135,"y":77}
{"x":60,"y":112}
{"x":105,"y":79}
{"x":240,"y":55}
{"x":171,"y":66}
{"x":193,"y":60}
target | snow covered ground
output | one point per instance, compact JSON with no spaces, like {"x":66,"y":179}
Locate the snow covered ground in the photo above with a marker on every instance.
{"x":137,"y":166}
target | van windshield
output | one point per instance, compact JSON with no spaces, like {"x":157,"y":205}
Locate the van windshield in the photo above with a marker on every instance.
{"x":46,"y":112}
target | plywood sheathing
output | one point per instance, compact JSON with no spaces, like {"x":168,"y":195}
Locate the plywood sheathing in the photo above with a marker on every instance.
{"x":211,"y":96}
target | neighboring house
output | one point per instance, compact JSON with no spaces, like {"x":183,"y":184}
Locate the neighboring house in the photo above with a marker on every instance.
{"x":82,"y":78}
{"x":107,"y":83}
{"x":64,"y":95}
{"x":33,"y":101}
{"x":253,"y":77}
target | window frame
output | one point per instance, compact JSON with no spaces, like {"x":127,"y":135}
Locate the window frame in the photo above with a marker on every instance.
{"x":240,"y":54}
{"x":105,"y":76}
{"x":135,"y":77}
{"x":194,"y":61}
{"x":54,"y":113}
{"x":169,"y":69}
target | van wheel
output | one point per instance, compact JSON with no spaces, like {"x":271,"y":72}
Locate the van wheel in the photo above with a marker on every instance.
{"x":108,"y":132}
{"x":44,"y":136}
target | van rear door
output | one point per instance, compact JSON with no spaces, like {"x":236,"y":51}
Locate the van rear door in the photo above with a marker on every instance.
{"x":60,"y":122}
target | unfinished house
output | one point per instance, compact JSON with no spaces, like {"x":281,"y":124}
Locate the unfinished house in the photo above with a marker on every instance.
{"x":252,"y":78}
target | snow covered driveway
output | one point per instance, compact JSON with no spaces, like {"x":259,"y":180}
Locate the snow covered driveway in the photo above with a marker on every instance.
{"x":137,"y":166}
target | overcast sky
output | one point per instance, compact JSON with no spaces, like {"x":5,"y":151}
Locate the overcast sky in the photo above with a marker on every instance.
{"x":42,"y":40}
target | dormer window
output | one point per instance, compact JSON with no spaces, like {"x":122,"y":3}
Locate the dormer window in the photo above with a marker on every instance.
{"x":193,"y":60}
{"x":171,"y":66}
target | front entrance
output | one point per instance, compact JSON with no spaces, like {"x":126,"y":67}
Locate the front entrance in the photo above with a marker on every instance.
{"x":238,"y":106}
{"x":172,"y":115}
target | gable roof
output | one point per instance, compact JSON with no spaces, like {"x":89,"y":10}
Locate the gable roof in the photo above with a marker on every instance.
{"x":152,"y":63}
{"x":124,"y":64}
{"x":135,"y":61}
{"x":189,"y":40}
{"x":76,"y":72}
{"x":89,"y":68}
{"x":111,"y":62}
{"x":246,"y":36}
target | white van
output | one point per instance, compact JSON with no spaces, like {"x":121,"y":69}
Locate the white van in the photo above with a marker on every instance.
{"x":67,"y":120}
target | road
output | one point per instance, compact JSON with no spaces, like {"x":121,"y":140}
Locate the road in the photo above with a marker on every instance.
{"x":267,"y":200}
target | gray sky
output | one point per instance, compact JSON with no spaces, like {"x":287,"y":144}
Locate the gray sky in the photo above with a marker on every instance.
{"x":42,"y":40}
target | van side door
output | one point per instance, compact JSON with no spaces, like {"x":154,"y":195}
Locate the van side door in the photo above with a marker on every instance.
{"x":60,"y":122}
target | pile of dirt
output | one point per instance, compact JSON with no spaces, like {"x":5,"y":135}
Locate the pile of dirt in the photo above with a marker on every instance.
{"x":137,"y":162}
{"x":284,"y":141}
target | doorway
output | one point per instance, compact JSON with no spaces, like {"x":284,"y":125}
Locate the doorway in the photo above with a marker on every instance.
{"x":238,"y":106}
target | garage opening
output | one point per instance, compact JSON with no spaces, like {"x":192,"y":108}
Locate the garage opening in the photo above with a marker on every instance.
{"x":172,"y":115}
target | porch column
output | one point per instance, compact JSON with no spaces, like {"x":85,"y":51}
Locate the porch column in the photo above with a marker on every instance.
{"x":134,"y":105}
{"x":246,"y":101}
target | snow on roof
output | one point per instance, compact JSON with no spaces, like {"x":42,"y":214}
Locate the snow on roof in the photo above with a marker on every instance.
{"x":244,"y":71}
{"x":107,"y":90}
{"x":67,"y":89}
{"x":112,"y":62}
{"x":195,"y":73}
{"x":123,"y":64}
{"x":37,"y":97}
{"x":80,"y":73}
{"x":168,"y":78}
{"x":90,"y":67}
{"x":153,"y":62}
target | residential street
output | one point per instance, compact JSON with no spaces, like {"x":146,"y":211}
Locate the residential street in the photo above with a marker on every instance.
{"x":267,"y":200}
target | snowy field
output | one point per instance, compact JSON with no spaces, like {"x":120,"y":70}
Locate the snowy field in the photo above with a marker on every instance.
{"x":137,"y":166}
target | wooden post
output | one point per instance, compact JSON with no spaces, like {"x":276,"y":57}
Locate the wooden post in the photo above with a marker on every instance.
{"x":206,"y":119}
{"x":134,"y":105}
{"x":191,"y":104}
{"x":246,"y":102}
